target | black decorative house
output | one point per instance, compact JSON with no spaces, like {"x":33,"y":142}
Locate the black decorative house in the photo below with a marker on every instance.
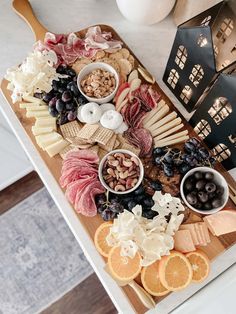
{"x":204,"y":47}
{"x":215,"y":120}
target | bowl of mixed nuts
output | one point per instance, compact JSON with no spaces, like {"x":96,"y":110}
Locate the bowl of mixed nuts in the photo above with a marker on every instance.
{"x":98,"y":82}
{"x":121,"y":171}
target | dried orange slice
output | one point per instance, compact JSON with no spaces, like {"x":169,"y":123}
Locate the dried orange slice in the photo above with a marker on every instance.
{"x":200,"y":265}
{"x":151,"y":281}
{"x":123,"y":268}
{"x":175,"y":271}
{"x":100,"y":238}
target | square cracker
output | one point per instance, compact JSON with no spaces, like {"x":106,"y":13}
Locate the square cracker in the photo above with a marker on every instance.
{"x":101,"y":153}
{"x":110,"y":144}
{"x":66,"y":150}
{"x":102,"y":135}
{"x":131,"y":148}
{"x":88,"y":131}
{"x":70,"y":129}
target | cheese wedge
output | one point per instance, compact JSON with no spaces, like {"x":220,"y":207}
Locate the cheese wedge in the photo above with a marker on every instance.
{"x":151,"y":113}
{"x":183,"y":241}
{"x":169,"y":132}
{"x":41,"y":130}
{"x":56,"y":148}
{"x":222,"y":222}
{"x":191,"y":229}
{"x":205,"y":231}
{"x":171,"y":116}
{"x":38,"y":113}
{"x":172,"y":142}
{"x":157,"y":116}
{"x":200,"y":235}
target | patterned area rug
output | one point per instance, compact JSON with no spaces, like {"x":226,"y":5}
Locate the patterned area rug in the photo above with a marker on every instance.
{"x":40,"y":259}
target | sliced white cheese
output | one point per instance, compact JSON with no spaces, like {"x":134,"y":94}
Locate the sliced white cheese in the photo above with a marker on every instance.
{"x":172,"y":142}
{"x":36,"y":114}
{"x":49,"y":139}
{"x":34,"y":100}
{"x":56,"y":148}
{"x":172,"y":137}
{"x":45,"y":122}
{"x":37,"y":108}
{"x":168,"y":126}
{"x":42,"y":130}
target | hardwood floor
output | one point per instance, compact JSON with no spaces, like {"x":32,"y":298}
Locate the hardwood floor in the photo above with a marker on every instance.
{"x":89,"y":297}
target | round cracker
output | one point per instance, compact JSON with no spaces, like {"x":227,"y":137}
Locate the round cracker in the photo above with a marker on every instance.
{"x":125,"y":66}
{"x":100,"y":54}
{"x":78,"y":67}
{"x":84,"y":60}
{"x":112,"y":63}
{"x":117,"y":56}
{"x":125,"y":53}
{"x":131,"y":60}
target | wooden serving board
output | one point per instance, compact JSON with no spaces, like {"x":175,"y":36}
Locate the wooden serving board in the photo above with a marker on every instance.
{"x":216,"y":247}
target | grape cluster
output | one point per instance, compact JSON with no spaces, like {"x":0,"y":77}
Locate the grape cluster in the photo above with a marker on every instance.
{"x":173,"y":159}
{"x":117,"y":203}
{"x":64,"y":97}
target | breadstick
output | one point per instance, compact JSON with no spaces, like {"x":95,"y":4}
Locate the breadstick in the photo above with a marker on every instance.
{"x":157,"y":116}
{"x":171,"y":142}
{"x":163,"y":121}
{"x":151,"y":113}
{"x":170,"y":131}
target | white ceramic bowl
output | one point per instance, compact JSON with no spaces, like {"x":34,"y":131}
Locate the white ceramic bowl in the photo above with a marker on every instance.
{"x":88,"y":69}
{"x":101,"y":168}
{"x":218,"y":178}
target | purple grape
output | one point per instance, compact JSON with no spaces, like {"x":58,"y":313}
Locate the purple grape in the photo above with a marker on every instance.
{"x":52,"y":102}
{"x":108,"y":214}
{"x":71,"y":116}
{"x":53,"y":112}
{"x":66,"y":96}
{"x":60,"y":105}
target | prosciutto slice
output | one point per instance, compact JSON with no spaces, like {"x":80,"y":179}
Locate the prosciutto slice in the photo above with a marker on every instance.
{"x":80,"y":178}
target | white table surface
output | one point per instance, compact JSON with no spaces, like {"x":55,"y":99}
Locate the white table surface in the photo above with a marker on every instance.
{"x":151,"y":45}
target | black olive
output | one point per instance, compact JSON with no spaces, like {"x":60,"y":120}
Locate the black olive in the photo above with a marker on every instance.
{"x":210,"y":187}
{"x":200,"y":185}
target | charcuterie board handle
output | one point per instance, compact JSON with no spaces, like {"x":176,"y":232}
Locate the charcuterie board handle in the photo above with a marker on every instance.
{"x":25,"y":11}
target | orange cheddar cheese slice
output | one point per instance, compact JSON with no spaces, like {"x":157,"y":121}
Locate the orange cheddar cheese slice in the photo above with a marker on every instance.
{"x":193,"y":233}
{"x":200,"y":235}
{"x":222,"y":222}
{"x":205,"y":231}
{"x":183,"y":241}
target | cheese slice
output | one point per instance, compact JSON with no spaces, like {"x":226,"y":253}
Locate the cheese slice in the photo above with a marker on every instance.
{"x":41,"y":130}
{"x":168,"y":126}
{"x":45,"y":122}
{"x":38,"y":113}
{"x":200,"y":235}
{"x":36,"y":108}
{"x":169,"y":132}
{"x":45,"y":140}
{"x":171,"y":116}
{"x":191,"y":228}
{"x":203,"y":227}
{"x":151,"y":113}
{"x":56,"y":148}
{"x":34,"y":100}
{"x":183,"y":241}
{"x":222,"y":222}
{"x":157,"y":116}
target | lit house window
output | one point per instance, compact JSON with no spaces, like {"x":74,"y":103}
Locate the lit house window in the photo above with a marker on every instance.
{"x":216,"y":50}
{"x":186,"y":94}
{"x":202,"y":41}
{"x":206,"y":21}
{"x":220,"y":110}
{"x":181,"y":57}
{"x":173,"y":78}
{"x":221,"y":152}
{"x":196,"y":75}
{"x":225,"y":29}
{"x":202,"y":128}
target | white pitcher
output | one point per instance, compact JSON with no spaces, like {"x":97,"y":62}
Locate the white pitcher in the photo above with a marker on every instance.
{"x":145,"y":11}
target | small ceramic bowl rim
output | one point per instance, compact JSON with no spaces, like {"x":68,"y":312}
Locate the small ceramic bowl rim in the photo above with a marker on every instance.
{"x":223,"y":183}
{"x":89,"y":68}
{"x":124,"y":151}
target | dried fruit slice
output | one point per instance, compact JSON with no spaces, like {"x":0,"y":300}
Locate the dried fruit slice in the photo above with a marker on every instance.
{"x":175,"y":271}
{"x":122,"y":267}
{"x":151,"y":281}
{"x":100,"y":238}
{"x":200,"y":265}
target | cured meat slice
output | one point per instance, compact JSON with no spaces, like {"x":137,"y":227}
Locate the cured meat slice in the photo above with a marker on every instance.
{"x":148,"y":96}
{"x":141,"y":138}
{"x":83,"y":154}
